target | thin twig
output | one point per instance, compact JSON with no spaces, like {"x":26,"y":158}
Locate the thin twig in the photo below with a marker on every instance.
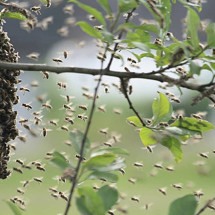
{"x":124,"y":90}
{"x":205,"y":206}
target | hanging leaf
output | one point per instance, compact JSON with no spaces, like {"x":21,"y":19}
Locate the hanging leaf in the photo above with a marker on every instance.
{"x":134,"y":120}
{"x":210,"y":30}
{"x":59,"y":160}
{"x":147,"y":136}
{"x":109,"y":195}
{"x":89,"y":202}
{"x":185,"y":205}
{"x":193,"y":124}
{"x":162,"y":109}
{"x":76,"y":138}
{"x":127,"y":5}
{"x":14,"y":208}
{"x":105,"y":5}
{"x":174,"y":145}
{"x":91,"y":10}
{"x":88,"y":29}
{"x":193,"y":23}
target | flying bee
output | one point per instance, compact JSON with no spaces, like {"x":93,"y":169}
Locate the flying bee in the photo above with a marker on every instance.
{"x":138,"y":164}
{"x":63,"y":196}
{"x":177,"y":186}
{"x":53,"y":189}
{"x":117,"y":111}
{"x":83,"y":107}
{"x":18,"y":170}
{"x":57,"y":60}
{"x":22,"y":120}
{"x":33,"y":56}
{"x":45,"y":131}
{"x":107,"y":144}
{"x":68,"y":9}
{"x":41,"y":168}
{"x":47,"y":105}
{"x":19,"y":161}
{"x":27,"y":106}
{"x":34,"y":84}
{"x":21,"y":191}
{"x":45,"y":75}
{"x":198,"y":193}
{"x":196,"y":115}
{"x":170,"y":168}
{"x":132,"y":180}
{"x":82,"y":117}
{"x":24,"y":89}
{"x":36,"y":113}
{"x":62,"y":85}
{"x":68,"y":142}
{"x":38,"y":179}
{"x":22,"y":138}
{"x":65,"y":128}
{"x":204,"y":154}
{"x":158,"y":165}
{"x":104,"y":131}
{"x":37,"y":120}
{"x":53,"y":122}
{"x":135,"y":199}
{"x":162,"y":190}
{"x":36,"y":9}
{"x":25,"y":183}
{"x":70,"y":120}
{"x":102,"y":108}
{"x":122,"y":171}
{"x":27,"y":127}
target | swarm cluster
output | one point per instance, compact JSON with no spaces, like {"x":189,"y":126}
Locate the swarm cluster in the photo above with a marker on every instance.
{"x":8,"y":98}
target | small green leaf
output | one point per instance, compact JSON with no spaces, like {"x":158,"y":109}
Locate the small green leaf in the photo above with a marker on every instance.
{"x":134,"y":120}
{"x":91,"y":10}
{"x":174,"y":145}
{"x":115,"y":150}
{"x":210,"y":30}
{"x":109,"y":195}
{"x":88,"y":29}
{"x":185,"y":205}
{"x":162,"y":109}
{"x":166,"y":9}
{"x":59,"y":160}
{"x":100,"y":161}
{"x":193,"y":124}
{"x":108,"y":176}
{"x":90,"y":202}
{"x":193,"y":23}
{"x":127,"y":5}
{"x":76,"y":137}
{"x":147,"y":136}
{"x":14,"y":208}
{"x":195,"y":68}
{"x":105,"y":5}
{"x":13,"y":15}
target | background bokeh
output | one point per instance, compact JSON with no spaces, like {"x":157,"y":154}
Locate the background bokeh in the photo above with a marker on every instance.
{"x":194,"y":173}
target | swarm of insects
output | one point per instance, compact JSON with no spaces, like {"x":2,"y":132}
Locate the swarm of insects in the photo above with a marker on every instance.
{"x":8,"y":98}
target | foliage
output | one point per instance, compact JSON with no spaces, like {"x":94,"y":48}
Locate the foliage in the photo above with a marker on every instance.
{"x":177,"y":62}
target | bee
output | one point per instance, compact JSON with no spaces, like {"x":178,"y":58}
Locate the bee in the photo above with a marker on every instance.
{"x":24,"y":89}
{"x":45,"y":131}
{"x":88,"y":95}
{"x":53,"y":189}
{"x":65,"y":128}
{"x":170,"y":168}
{"x":33,"y":56}
{"x":204,"y":154}
{"x":132,"y":180}
{"x":162,"y":190}
{"x":55,"y":195}
{"x":45,"y":75}
{"x":104,"y":131}
{"x":102,"y":108}
{"x":53,"y":122}
{"x":62,"y":195}
{"x":82,"y":117}
{"x":135,"y":199}
{"x":19,"y":161}
{"x":117,"y":111}
{"x":91,"y":17}
{"x":48,"y":3}
{"x":196,"y":115}
{"x":126,"y":69}
{"x":70,"y":120}
{"x":25,"y":183}
{"x":34,"y":84}
{"x":27,"y":106}
{"x":107,"y":90}
{"x":63,"y":31}
{"x":198,"y":193}
{"x":62,"y":85}
{"x":36,"y":113}
{"x":38,"y":179}
{"x":57,"y":60}
{"x":47,"y":105}
{"x":19,"y":190}
{"x":36,"y":9}
{"x":158,"y":165}
{"x":68,"y":9}
{"x":122,"y":171}
{"x":107,"y":144}
{"x":37,"y":120}
{"x":41,"y":168}
{"x":138,"y":164}
{"x":83,"y":107}
{"x":177,"y":186}
{"x":22,"y":120}
{"x":68,"y":142}
{"x":67,"y":106}
{"x":27,"y":127}
{"x":22,"y":138}
{"x":18,"y":170}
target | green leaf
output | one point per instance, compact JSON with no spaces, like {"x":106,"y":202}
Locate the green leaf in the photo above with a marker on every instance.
{"x":76,"y":137}
{"x":195,"y":68}
{"x":14,"y":208}
{"x":193,"y":124}
{"x":59,"y":160}
{"x":162,"y":109}
{"x":92,"y":11}
{"x":115,"y":150}
{"x":193,"y":23}
{"x":166,"y":9}
{"x":13,"y":15}
{"x":108,"y":176}
{"x":210,"y":31}
{"x":174,"y":145}
{"x":90,"y":202}
{"x":88,"y":29}
{"x":100,"y":161}
{"x":147,"y":136}
{"x":134,"y":120}
{"x":109,"y":195}
{"x":126,"y":5}
{"x":105,"y":5}
{"x":185,"y":205}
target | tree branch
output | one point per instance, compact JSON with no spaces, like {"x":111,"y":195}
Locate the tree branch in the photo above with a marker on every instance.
{"x":205,"y":206}
{"x":89,"y":71}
